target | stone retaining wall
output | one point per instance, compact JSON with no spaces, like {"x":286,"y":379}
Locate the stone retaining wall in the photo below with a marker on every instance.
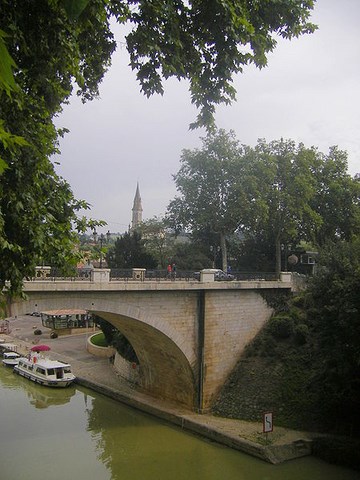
{"x":127,"y":370}
{"x":105,"y":352}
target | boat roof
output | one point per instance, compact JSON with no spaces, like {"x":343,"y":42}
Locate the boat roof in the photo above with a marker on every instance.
{"x":11,"y":354}
{"x":65,"y":312}
{"x":45,"y":362}
{"x":8,"y":345}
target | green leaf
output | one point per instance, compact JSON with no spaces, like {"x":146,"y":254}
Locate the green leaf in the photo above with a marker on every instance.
{"x":7,"y":81}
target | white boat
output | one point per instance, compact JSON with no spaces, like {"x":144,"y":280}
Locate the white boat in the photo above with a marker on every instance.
{"x":7,"y":347}
{"x":44,"y":371}
{"x":10,"y":359}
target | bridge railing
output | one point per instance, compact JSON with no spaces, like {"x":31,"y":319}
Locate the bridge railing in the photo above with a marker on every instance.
{"x":151,"y":275}
{"x":128,"y":275}
{"x":256,"y":276}
{"x":54,"y":275}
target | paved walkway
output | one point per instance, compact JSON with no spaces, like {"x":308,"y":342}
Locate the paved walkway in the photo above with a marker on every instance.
{"x":98,"y":374}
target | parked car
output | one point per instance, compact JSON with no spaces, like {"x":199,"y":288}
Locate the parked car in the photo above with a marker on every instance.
{"x":219,"y":275}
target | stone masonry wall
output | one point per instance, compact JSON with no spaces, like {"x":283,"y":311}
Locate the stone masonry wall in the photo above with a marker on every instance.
{"x":232,"y":319}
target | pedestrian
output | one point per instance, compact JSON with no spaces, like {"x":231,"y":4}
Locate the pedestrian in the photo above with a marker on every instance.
{"x":169,"y":270}
{"x":174,"y":270}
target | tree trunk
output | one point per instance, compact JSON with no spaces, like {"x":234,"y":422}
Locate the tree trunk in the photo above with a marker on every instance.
{"x":223,"y":251}
{"x":277,"y":257}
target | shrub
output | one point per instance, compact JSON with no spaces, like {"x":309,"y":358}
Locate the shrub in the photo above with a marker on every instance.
{"x":299,"y":301}
{"x":124,"y":348}
{"x":340,"y":451}
{"x":281,"y":326}
{"x":37,"y":332}
{"x":53,"y":335}
{"x":301,"y":333}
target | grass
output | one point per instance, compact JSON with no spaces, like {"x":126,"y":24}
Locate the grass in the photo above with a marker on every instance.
{"x":99,"y":340}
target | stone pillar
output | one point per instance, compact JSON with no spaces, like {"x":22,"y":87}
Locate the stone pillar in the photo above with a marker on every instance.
{"x":138,"y":274}
{"x":42,"y":272}
{"x":100,"y":275}
{"x":207,"y":275}
{"x":285,"y":277}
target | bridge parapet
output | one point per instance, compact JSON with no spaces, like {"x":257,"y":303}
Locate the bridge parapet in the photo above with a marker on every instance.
{"x":103,"y":275}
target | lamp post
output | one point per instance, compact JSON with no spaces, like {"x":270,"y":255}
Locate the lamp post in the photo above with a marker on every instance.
{"x":215,"y":250}
{"x":285,"y":248}
{"x":101,"y":240}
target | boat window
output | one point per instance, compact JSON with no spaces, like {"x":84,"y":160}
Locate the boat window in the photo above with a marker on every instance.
{"x":67,"y":370}
{"x":40,"y":370}
{"x":51,"y":371}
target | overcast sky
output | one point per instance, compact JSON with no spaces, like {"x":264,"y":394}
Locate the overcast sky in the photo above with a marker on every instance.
{"x":309,"y":92}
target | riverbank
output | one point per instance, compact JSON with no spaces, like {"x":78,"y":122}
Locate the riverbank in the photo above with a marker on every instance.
{"x":98,"y":374}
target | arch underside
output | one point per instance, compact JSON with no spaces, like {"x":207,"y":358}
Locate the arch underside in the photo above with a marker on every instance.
{"x":165,"y":371}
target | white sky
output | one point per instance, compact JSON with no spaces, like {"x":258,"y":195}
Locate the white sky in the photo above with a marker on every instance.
{"x":309,"y":92}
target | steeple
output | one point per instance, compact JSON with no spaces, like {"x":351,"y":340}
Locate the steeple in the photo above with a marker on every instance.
{"x":136,"y":210}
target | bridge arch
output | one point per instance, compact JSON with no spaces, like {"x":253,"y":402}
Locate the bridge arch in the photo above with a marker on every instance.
{"x":165,"y":370}
{"x":166,"y":361}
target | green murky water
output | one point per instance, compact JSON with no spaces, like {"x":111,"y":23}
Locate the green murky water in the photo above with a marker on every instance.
{"x":77,"y":434}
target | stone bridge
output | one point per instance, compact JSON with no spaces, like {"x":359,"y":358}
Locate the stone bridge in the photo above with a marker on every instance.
{"x":188,"y":336}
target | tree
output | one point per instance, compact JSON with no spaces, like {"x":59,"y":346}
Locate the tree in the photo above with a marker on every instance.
{"x":251,"y":253}
{"x":190,"y":256}
{"x":293,"y":193}
{"x":203,"y":42}
{"x":207,"y":42}
{"x":158,"y":240}
{"x":332,"y":304}
{"x":277,"y":190}
{"x":274,"y":194}
{"x":206,"y":180}
{"x":129,"y":252}
{"x":48,"y":49}
{"x":337,"y":198}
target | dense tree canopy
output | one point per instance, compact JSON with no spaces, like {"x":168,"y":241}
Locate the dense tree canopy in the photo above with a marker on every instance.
{"x":206,"y":179}
{"x":332,"y":304}
{"x":278,"y":188}
{"x":37,"y":208}
{"x":274,"y":194}
{"x":337,"y":198}
{"x":157,"y":240}
{"x":129,"y":252}
{"x":207,"y":41}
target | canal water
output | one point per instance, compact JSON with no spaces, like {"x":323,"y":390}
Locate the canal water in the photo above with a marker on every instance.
{"x":75,"y":433}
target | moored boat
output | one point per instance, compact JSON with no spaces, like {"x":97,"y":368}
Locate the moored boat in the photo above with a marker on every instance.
{"x":7,"y":347}
{"x":42,"y":370}
{"x":10,"y":359}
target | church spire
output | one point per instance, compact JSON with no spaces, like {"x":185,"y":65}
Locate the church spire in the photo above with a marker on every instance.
{"x":136,"y":210}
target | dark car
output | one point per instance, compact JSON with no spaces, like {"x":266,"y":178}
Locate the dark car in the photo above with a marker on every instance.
{"x":220,"y":275}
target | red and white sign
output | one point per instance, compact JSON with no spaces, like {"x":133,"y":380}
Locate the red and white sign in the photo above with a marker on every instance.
{"x":267,"y":422}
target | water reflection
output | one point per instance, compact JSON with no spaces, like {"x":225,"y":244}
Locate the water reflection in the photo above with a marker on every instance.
{"x":86,"y":435}
{"x":39,"y":396}
{"x":133,"y":446}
